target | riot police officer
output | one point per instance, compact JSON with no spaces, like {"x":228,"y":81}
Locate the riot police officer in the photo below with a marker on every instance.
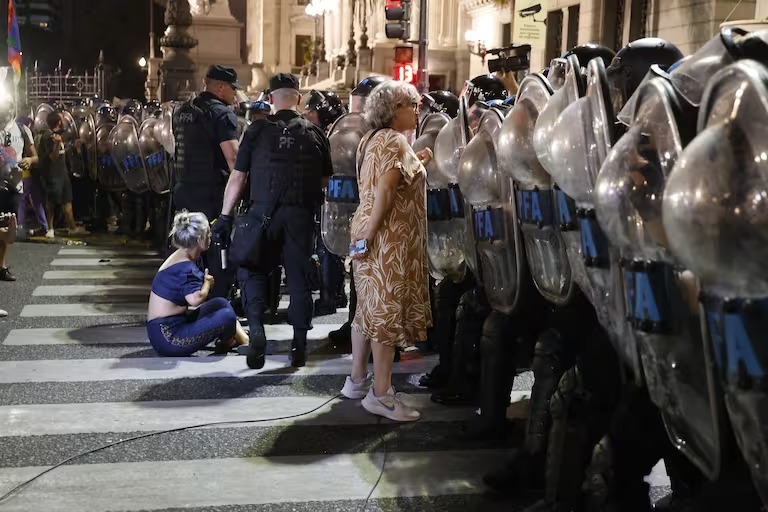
{"x":323,"y":108}
{"x":281,"y":154}
{"x":205,"y":130}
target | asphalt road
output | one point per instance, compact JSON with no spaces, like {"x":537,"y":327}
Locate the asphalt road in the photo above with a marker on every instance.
{"x":76,"y":373}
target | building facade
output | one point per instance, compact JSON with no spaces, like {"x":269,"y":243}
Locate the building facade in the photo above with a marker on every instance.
{"x":277,"y":35}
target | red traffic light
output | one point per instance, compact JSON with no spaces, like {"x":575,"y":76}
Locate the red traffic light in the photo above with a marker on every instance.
{"x":394,"y":10}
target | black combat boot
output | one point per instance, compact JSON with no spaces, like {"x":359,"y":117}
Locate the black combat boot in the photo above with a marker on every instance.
{"x":299,"y":348}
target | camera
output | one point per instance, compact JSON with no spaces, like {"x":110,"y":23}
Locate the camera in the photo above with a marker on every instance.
{"x":510,"y":58}
{"x":58,"y":132}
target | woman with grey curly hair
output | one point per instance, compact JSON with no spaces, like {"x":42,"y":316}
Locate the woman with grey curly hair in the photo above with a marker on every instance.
{"x":389,"y":234}
{"x":172,"y":328}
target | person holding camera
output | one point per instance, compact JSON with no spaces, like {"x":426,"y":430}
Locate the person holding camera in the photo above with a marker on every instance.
{"x":58,"y":188}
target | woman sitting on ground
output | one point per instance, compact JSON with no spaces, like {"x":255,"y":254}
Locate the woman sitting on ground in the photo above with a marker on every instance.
{"x":172,"y":328}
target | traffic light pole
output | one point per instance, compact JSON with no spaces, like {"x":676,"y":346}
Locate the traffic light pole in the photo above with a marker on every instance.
{"x":423,"y":85}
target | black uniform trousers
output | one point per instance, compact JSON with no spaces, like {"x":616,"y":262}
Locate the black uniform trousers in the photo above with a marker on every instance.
{"x":290,"y":240}
{"x":208,"y":199}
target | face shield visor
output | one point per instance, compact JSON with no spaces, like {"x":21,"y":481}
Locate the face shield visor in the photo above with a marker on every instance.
{"x":716,"y":200}
{"x":690,"y":77}
{"x":556,"y":75}
{"x":516,"y":154}
{"x":545,"y":143}
{"x":357,"y":103}
{"x":430,"y":127}
{"x":630,"y":186}
{"x":478,"y":166}
{"x":449,"y":146}
{"x":626,"y":107}
{"x":582,"y":137}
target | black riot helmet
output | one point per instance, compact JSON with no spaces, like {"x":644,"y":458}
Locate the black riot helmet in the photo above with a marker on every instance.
{"x":368,"y":84}
{"x":328,"y":106}
{"x":107,"y":111}
{"x":631,"y":63}
{"x":130,"y":110}
{"x":587,"y":52}
{"x":360,"y":93}
{"x":484,"y":88}
{"x":441,"y":101}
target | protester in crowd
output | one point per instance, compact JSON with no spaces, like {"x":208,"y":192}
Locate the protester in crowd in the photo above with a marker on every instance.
{"x":173,"y":329}
{"x":390,"y":271}
{"x":33,"y":195}
{"x":58,"y":188}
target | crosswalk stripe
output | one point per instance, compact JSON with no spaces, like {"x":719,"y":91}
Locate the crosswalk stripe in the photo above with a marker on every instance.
{"x":106,"y":262}
{"x":84,"y":309}
{"x":101,"y":290}
{"x":145,"y":368}
{"x":132,"y":334}
{"x":96,"y":251}
{"x":248,"y":481}
{"x":35,"y":420}
{"x":119,"y":276}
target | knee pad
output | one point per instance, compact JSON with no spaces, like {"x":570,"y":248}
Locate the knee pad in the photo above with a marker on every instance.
{"x":599,"y":475}
{"x":565,"y":394}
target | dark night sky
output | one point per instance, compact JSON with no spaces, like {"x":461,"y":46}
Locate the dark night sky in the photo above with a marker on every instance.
{"x":119,"y":27}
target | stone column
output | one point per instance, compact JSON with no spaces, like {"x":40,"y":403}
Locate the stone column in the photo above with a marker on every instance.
{"x":178,"y":68}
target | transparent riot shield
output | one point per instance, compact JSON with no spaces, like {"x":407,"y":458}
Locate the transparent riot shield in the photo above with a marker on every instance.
{"x":535,"y":198}
{"x":164,"y":128}
{"x":76,"y":161}
{"x":715,"y":215}
{"x":87,"y":135}
{"x":661,"y":294}
{"x":154,"y":155}
{"x":449,"y":147}
{"x":581,"y":137}
{"x":107,"y":172}
{"x":495,"y":231}
{"x":445,"y":208}
{"x":41,"y":117}
{"x":341,"y":198}
{"x":126,"y":154}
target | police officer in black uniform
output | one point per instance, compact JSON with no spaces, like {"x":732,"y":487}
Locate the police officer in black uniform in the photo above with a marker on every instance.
{"x":289,"y":162}
{"x":323,"y":108}
{"x":205,"y":131}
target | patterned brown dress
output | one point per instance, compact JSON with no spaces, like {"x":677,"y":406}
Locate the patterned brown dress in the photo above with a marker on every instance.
{"x":392,"y":281}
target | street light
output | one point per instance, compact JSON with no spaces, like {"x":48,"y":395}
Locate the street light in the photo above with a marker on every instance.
{"x":317,"y":9}
{"x":143,"y":63}
{"x":475,"y":44}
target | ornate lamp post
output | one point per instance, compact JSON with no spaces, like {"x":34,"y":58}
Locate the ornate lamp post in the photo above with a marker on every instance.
{"x":316,"y":10}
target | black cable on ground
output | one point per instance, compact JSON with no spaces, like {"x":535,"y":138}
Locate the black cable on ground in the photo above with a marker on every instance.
{"x":179,"y":429}
{"x":381,"y":473}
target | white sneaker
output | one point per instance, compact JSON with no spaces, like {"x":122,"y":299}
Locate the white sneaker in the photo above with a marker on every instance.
{"x":389,"y":407}
{"x":357,"y":391}
{"x":50,"y":234}
{"x":3,"y":313}
{"x":404,"y":398}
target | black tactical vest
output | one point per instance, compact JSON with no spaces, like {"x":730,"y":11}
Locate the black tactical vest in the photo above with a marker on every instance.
{"x":194,"y":159}
{"x":285,"y":157}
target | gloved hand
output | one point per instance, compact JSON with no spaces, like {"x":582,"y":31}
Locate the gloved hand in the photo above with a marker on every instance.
{"x":221,"y":229}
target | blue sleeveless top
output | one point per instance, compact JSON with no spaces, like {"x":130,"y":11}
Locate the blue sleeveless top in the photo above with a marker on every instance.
{"x":174,"y":283}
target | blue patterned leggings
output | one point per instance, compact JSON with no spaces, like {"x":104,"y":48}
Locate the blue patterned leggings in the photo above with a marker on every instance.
{"x":183,"y":335}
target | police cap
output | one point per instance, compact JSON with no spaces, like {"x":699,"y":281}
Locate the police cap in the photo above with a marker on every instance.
{"x":283,"y":81}
{"x":223,"y":74}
